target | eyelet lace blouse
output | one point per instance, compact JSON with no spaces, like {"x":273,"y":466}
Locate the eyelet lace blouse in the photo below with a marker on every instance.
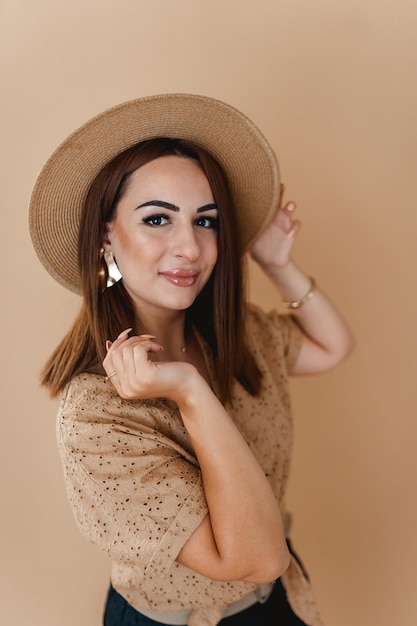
{"x":135,"y":486}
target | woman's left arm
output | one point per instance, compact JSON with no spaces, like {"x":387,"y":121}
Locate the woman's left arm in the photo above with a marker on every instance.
{"x":327,"y":339}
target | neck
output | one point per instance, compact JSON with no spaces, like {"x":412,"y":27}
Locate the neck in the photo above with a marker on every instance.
{"x":170,"y":332}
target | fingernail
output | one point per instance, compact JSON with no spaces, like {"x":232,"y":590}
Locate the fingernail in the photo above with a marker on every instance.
{"x":293,"y":230}
{"x":124,"y":332}
{"x":108,"y":345}
{"x":148,"y":336}
{"x":290,"y":207}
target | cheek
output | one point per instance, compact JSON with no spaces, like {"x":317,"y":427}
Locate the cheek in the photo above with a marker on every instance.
{"x":138,"y":258}
{"x":123,"y":248}
{"x":208,"y":242}
{"x":214,"y":252}
{"x":125,"y":241}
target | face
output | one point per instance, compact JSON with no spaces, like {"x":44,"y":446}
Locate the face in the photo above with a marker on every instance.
{"x":164,"y":235}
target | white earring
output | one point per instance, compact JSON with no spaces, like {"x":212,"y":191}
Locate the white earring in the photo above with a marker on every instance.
{"x":111,"y":271}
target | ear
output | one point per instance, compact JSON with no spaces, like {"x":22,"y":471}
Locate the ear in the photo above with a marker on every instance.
{"x":105,"y":240}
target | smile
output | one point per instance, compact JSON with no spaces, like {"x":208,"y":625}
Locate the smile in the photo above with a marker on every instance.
{"x":180,"y":278}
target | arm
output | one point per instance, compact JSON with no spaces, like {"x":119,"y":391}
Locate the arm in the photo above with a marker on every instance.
{"x":326,"y":337}
{"x":242,"y":538}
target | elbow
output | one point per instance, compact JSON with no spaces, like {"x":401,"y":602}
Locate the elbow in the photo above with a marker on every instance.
{"x":279,"y":565}
{"x":271,"y":568}
{"x":338,"y":353}
{"x":315,"y":357}
{"x":345,"y":348}
{"x":276,"y":568}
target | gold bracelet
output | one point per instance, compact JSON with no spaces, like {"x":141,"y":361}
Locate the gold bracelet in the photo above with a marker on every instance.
{"x":297,"y":303}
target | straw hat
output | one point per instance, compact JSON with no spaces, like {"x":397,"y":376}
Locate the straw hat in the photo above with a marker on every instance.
{"x":61,"y":188}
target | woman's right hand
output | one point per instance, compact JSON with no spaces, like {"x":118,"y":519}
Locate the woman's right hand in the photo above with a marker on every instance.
{"x":136,"y":376}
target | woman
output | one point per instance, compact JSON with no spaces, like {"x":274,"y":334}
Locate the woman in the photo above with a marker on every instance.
{"x":174,"y":426}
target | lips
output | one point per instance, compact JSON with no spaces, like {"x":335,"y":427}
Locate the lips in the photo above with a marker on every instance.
{"x":180,"y":278}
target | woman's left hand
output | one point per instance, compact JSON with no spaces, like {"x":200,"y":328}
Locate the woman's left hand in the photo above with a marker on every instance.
{"x":275,"y":244}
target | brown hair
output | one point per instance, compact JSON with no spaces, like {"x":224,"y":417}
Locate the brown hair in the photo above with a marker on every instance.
{"x":218,"y":312}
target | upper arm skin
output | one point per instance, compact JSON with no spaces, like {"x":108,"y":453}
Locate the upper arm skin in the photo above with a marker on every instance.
{"x":314,"y":359}
{"x":201,"y":555}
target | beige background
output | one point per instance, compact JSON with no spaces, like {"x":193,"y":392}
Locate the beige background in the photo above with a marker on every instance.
{"x":333,"y":86}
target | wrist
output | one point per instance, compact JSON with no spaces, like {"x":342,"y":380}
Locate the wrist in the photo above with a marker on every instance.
{"x":296,"y":304}
{"x":284,"y":276}
{"x":295,"y":287}
{"x":188,"y":394}
{"x":276,"y":267}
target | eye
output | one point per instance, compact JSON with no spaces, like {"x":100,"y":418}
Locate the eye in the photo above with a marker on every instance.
{"x":208,"y":222}
{"x":156,"y":220}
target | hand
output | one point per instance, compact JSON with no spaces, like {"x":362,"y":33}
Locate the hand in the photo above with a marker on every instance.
{"x":274,"y":246}
{"x":135,"y":375}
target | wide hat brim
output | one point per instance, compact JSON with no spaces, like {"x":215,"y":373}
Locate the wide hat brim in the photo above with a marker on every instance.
{"x":234,"y":140}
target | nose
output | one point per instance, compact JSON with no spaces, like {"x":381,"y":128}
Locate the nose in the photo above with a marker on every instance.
{"x":185,"y":244}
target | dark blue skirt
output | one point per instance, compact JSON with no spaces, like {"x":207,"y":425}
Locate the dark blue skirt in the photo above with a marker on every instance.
{"x":276,"y":610}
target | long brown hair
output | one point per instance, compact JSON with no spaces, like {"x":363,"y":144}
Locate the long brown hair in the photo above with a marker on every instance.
{"x":218,"y":312}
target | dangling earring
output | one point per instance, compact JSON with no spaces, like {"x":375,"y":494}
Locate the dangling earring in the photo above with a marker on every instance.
{"x":108,"y":273}
{"x":103,"y":272}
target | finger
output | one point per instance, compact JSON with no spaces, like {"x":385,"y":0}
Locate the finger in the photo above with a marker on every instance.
{"x":295,"y":227}
{"x":119,"y":339}
{"x":146,"y":341}
{"x":111,"y":346}
{"x":111,"y":375}
{"x":122,"y":350}
{"x":108,"y":367}
{"x":131,"y":354}
{"x":124,"y":362}
{"x":122,"y":358}
{"x":283,"y":220}
{"x":123,"y":335}
{"x":289,"y":208}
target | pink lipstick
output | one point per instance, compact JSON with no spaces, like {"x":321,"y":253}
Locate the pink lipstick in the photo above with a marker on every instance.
{"x":180,"y":278}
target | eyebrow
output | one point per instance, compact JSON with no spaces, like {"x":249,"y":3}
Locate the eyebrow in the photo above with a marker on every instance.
{"x":174,"y":207}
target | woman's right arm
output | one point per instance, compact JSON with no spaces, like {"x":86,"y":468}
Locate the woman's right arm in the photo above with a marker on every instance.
{"x":242,"y":538}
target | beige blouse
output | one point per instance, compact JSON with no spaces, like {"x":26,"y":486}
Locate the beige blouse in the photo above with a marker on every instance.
{"x":135,"y":485}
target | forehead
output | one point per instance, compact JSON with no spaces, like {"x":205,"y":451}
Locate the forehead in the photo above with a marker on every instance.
{"x":177,"y":175}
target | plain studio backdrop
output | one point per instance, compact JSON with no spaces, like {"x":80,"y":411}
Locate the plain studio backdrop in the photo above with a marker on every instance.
{"x":333,"y":87}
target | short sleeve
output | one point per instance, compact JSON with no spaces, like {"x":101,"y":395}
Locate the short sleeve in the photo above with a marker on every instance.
{"x":275,"y":333}
{"x":133,"y":482}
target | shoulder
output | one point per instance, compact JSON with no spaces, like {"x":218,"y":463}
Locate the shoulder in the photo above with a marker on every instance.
{"x":92,"y":398}
{"x":272,"y":322}
{"x":273,"y":331}
{"x":87,"y":403}
{"x":86,"y":390}
{"x":92,"y":411}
